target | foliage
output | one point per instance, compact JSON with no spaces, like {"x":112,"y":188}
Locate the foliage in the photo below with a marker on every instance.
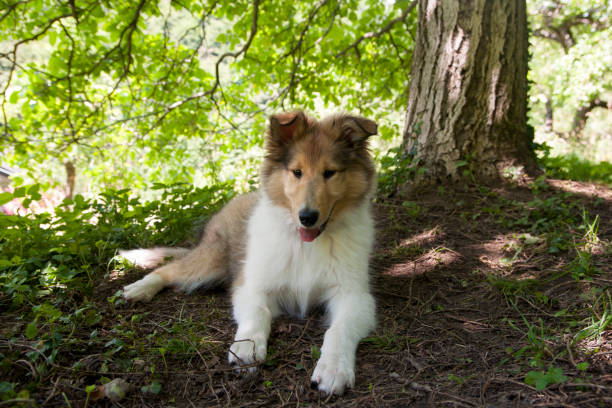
{"x":44,"y":253}
{"x":540,"y":380}
{"x":167,"y":90}
{"x":571,"y":72}
{"x":572,"y":167}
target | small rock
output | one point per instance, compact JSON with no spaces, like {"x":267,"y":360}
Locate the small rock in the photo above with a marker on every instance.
{"x":117,"y":389}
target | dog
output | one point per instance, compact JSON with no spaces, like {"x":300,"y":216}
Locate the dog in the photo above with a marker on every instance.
{"x":304,"y":239}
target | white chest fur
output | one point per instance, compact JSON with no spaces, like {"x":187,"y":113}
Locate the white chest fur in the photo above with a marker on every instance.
{"x":301,"y":274}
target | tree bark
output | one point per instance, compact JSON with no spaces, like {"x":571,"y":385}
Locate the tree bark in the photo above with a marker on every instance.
{"x":70,"y":178}
{"x":549,"y":123}
{"x":468,"y":89}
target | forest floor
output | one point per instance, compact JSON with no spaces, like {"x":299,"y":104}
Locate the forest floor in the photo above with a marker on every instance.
{"x":486,"y":296}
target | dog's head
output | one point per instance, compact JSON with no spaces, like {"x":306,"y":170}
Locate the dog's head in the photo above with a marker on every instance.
{"x":318,"y":169}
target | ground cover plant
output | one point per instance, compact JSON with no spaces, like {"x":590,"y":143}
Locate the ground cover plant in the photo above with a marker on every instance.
{"x":485,"y":296}
{"x":491,"y":269}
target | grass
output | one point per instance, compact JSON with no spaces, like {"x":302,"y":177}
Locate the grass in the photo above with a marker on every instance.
{"x":527,"y":293}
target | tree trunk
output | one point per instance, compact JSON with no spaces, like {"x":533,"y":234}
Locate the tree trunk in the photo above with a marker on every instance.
{"x":468,"y":89}
{"x":549,"y":124}
{"x":70,"y":178}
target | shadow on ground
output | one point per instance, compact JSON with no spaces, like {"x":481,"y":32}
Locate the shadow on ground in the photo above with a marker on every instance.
{"x":486,"y":297}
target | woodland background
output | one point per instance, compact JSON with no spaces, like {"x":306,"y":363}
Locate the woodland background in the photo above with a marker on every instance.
{"x":128,"y":123}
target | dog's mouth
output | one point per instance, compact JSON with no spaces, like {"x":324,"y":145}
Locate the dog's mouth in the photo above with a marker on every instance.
{"x":309,"y":234}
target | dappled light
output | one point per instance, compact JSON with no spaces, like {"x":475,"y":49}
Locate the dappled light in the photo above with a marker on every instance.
{"x":421,"y":190}
{"x":600,"y":192}
{"x":424,"y":238}
{"x":432,"y":259}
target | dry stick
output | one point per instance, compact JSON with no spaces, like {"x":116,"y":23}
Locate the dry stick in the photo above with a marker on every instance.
{"x":15,"y":400}
{"x":227,"y":394}
{"x":185,"y":389}
{"x":499,"y":379}
{"x":600,"y":387}
{"x":297,"y":340}
{"x":52,"y":391}
{"x":210,"y":380}
{"x":569,"y":352}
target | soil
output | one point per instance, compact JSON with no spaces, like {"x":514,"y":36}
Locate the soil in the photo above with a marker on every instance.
{"x":449,"y":333}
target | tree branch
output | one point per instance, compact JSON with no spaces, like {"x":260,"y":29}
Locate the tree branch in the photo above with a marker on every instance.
{"x":13,"y":61}
{"x":380,"y":32}
{"x":582,"y":114}
{"x":561,"y":32}
{"x":236,"y":54}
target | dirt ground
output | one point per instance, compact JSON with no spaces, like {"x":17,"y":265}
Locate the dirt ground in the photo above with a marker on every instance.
{"x":469,"y":301}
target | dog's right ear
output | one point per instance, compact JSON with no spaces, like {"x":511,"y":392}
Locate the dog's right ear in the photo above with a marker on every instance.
{"x":284,"y":126}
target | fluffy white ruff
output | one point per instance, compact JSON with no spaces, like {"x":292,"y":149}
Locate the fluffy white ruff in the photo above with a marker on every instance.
{"x":144,"y":289}
{"x":150,"y":258}
{"x":283,"y":273}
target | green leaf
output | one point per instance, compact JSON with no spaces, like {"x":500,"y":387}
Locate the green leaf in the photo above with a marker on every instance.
{"x":6,"y":387}
{"x":5,"y":197}
{"x":534,"y":378}
{"x":541,"y":380}
{"x":19,"y":192}
{"x":52,"y":37}
{"x":31,"y":330}
{"x":582,"y":366}
{"x":555,"y":375}
{"x":14,"y":98}
{"x":153,"y":388}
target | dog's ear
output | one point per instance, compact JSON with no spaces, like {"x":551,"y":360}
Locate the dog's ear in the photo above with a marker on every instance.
{"x":284,"y":126}
{"x":356,"y":129}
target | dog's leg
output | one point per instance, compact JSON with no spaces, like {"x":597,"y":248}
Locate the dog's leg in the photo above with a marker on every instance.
{"x":205,"y":264}
{"x":253,"y":311}
{"x":144,"y":289}
{"x":352,"y":316}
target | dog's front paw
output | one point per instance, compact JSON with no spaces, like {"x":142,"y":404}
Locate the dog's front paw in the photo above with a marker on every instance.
{"x":144,"y":289}
{"x":245,"y":354}
{"x":332,"y":375}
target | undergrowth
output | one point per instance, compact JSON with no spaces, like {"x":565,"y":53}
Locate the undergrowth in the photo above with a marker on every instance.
{"x":50,"y":265}
{"x":44,"y":254}
{"x":573,"y":167}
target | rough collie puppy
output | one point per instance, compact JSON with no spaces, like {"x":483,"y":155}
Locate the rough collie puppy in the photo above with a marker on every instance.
{"x":304,"y":239}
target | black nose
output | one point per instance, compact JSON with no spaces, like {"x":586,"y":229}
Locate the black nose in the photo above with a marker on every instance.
{"x":308,"y":218}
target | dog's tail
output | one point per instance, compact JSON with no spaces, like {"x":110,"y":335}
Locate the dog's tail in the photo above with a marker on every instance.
{"x":150,"y":258}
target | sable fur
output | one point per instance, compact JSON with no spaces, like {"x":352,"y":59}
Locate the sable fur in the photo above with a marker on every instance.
{"x":259,"y":244}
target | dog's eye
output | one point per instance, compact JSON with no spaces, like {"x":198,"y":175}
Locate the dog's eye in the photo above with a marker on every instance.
{"x":297,"y":173}
{"x":329,"y":173}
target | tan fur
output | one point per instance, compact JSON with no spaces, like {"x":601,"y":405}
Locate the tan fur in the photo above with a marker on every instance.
{"x":294,"y":141}
{"x":210,"y":261}
{"x":313,"y":148}
{"x":317,"y":178}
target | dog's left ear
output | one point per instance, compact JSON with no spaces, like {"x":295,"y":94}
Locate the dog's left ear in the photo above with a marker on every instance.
{"x":357,"y":129}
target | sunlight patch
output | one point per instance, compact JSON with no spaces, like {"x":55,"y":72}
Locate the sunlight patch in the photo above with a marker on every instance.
{"x":426,"y":263}
{"x":424,"y":237}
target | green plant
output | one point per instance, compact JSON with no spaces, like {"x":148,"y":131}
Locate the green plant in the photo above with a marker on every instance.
{"x":572,"y":167}
{"x":42,"y":253}
{"x":540,"y":379}
{"x":601,"y":316}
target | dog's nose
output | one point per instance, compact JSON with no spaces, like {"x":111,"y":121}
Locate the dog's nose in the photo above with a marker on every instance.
{"x":308,"y":218}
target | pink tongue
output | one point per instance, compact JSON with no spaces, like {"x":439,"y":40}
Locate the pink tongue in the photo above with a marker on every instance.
{"x":308,"y":234}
